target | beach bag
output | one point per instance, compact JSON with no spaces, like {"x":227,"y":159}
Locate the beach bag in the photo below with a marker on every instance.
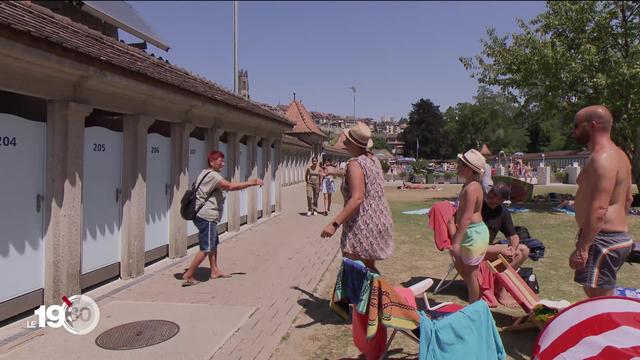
{"x":634,"y":256}
{"x":526,"y":273}
{"x":188,"y":209}
{"x":536,"y":248}
{"x":523,"y":232}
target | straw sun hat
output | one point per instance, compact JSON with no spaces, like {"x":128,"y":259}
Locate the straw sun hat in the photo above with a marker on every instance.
{"x":360,"y":135}
{"x":473,"y":159}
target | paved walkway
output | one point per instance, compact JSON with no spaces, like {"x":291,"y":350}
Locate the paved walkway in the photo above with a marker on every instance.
{"x":271,"y":260}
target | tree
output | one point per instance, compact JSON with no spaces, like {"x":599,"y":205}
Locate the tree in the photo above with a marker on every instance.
{"x":573,"y":55}
{"x":403,"y":120}
{"x":385,"y":166}
{"x":425,"y":124}
{"x":493,"y":119}
{"x":380,"y":143}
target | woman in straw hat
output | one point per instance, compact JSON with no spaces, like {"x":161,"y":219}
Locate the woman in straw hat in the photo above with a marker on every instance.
{"x":470,"y":240}
{"x":365,"y":219}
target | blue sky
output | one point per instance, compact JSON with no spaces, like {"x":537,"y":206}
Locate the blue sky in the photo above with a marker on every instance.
{"x":394,"y":53}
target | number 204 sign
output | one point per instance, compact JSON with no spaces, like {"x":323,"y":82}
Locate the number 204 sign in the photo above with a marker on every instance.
{"x":78,"y":314}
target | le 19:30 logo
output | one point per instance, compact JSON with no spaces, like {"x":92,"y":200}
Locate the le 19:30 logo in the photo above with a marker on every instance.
{"x":78,"y":314}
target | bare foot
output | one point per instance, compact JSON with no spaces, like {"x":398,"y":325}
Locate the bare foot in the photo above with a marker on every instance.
{"x":220,"y":276}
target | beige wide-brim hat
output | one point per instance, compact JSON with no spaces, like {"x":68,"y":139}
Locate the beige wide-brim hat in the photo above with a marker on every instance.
{"x":360,"y":135}
{"x":473,"y":159}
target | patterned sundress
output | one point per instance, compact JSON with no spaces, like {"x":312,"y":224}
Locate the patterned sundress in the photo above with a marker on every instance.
{"x":368,"y":234}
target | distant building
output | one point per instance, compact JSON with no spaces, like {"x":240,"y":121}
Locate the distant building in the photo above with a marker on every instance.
{"x":383,"y":154}
{"x":305,"y":128}
{"x":396,"y":144}
{"x":243,"y":84}
{"x":554,"y":159}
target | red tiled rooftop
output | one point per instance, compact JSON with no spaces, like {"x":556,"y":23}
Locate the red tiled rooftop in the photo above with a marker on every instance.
{"x":302,"y":119}
{"x":39,"y":22}
{"x":340,"y":142}
{"x":333,"y":150}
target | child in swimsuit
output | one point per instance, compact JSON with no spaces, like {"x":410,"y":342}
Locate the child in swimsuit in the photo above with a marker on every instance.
{"x":471,"y":239}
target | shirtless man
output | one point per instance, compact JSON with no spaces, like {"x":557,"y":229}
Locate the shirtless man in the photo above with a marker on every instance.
{"x":602,"y":203}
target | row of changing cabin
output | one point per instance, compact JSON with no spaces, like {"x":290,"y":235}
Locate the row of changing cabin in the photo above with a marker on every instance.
{"x":22,"y":184}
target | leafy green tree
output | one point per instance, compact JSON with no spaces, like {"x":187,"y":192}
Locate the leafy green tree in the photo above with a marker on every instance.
{"x":380,"y":143}
{"x":403,"y":120}
{"x":572,"y":55}
{"x":426,"y":125}
{"x":492,"y":119}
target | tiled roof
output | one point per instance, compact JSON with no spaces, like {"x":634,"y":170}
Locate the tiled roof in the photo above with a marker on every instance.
{"x":303,"y":121}
{"x":292,"y":140}
{"x":333,"y":150}
{"x":40,"y":22}
{"x":341,"y":138}
{"x":485,"y":150}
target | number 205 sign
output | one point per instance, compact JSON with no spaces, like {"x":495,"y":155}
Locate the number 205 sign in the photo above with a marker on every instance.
{"x":78,"y":314}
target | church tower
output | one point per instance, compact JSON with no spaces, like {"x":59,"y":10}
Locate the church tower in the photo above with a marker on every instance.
{"x":243,"y":81}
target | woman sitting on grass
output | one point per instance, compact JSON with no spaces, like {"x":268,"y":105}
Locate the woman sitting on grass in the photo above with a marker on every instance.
{"x":469,"y":234}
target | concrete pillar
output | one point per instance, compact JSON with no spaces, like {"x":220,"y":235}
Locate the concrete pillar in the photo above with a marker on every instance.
{"x":266,"y":189}
{"x":63,"y":199}
{"x":294,"y":168}
{"x":180,"y":182}
{"x":134,"y":190}
{"x":301,"y":164}
{"x":297,"y":167}
{"x":278,"y":169}
{"x":233,"y":164}
{"x":544,"y":175}
{"x":213,"y":138}
{"x":285,"y":169}
{"x":573,"y":173}
{"x":252,"y":206}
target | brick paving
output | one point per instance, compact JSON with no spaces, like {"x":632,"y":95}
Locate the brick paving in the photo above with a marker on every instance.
{"x":275,"y":257}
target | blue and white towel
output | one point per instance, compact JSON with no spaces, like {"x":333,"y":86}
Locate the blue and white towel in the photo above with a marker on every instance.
{"x":514,"y":209}
{"x":566,"y":211}
{"x":424,"y":211}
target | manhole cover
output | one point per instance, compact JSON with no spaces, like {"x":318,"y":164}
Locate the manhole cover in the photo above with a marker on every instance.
{"x":137,"y":334}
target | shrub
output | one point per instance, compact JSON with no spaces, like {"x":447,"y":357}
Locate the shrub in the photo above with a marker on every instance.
{"x":385,"y":166}
{"x":560,"y":176}
{"x":419,"y":165}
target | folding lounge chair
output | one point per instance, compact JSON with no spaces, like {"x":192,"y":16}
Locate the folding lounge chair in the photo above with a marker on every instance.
{"x":479,"y":315}
{"x":519,"y":290}
{"x":420,"y":290}
{"x":443,"y":283}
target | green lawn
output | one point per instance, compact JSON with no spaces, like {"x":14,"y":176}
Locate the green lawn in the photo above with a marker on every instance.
{"x":416,"y":257}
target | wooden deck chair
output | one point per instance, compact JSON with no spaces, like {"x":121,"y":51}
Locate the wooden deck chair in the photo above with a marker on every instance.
{"x":519,"y":290}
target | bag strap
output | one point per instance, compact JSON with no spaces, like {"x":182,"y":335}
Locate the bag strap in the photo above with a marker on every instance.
{"x":200,"y":183}
{"x":208,"y":195}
